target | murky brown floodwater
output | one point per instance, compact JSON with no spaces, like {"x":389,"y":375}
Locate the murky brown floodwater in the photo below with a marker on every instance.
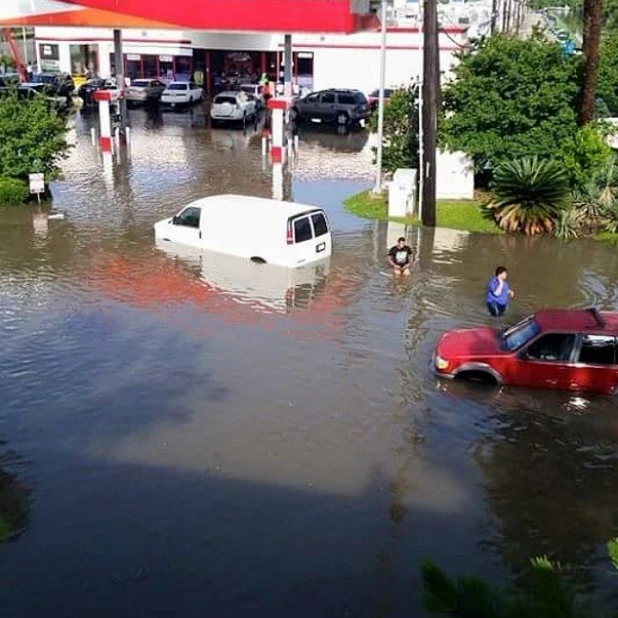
{"x":179,"y":436}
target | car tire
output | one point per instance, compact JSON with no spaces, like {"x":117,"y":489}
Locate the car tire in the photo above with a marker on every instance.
{"x":477,"y":376}
{"x":342,"y":119}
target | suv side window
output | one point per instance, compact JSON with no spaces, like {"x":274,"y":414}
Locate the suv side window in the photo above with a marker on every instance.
{"x":328,"y":97}
{"x":346,"y":99}
{"x":598,"y":350}
{"x":553,"y":348}
{"x":312,"y":98}
{"x":189,"y":217}
{"x":302,"y":230}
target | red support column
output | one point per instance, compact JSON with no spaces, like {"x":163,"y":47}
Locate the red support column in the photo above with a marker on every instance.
{"x":263,"y":63}
{"x":208,"y":76}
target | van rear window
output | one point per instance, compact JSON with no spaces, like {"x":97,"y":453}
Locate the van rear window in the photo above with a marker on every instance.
{"x":222,"y":100}
{"x":302,"y":230}
{"x":320,"y":226}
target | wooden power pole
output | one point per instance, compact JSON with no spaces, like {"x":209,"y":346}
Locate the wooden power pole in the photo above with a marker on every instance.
{"x":593,"y":23}
{"x":431,"y":75}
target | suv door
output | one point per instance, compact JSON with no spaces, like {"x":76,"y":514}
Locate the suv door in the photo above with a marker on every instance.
{"x":542,"y":363}
{"x":308,"y":107}
{"x":328,"y":107}
{"x":596,"y":364}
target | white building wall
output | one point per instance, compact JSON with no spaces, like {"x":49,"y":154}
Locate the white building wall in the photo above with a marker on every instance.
{"x":351,"y":61}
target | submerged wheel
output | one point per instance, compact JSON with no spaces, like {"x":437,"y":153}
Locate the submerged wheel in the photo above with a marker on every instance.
{"x":477,"y":376}
{"x":342,"y":119}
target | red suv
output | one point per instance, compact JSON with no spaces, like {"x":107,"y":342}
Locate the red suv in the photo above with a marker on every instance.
{"x":565,"y":349}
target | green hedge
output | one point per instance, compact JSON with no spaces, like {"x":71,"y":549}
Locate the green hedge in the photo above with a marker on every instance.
{"x":12,"y":191}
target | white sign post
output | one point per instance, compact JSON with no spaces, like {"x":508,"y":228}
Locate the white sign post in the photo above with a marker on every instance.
{"x":37,"y":185}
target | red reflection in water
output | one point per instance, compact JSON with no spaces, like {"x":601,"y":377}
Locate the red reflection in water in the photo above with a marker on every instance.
{"x":157,"y":282}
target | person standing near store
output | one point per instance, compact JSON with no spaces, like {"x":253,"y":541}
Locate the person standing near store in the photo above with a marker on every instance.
{"x":498,"y":293}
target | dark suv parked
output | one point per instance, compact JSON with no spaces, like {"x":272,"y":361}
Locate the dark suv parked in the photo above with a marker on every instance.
{"x":56,"y":84}
{"x":340,"y":106}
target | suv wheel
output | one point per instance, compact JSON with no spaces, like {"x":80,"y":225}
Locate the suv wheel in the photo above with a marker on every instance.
{"x":342,"y":119}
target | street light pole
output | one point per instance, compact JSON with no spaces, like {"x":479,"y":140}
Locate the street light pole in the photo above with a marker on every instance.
{"x":421,"y":77}
{"x":378,"y":186}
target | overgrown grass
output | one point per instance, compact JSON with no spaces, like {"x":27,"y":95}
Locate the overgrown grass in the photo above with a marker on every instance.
{"x":464,"y":215}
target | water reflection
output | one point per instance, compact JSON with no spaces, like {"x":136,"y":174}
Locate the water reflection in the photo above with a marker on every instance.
{"x":14,"y":500}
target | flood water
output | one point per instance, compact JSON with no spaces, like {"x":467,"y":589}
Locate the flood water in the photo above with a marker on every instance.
{"x":183,"y":437}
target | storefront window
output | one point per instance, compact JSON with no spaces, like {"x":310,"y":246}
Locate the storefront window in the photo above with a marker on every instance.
{"x":133,"y":64}
{"x":150,"y":66}
{"x":184,"y":68}
{"x":84,"y":59}
{"x":166,"y":68}
{"x":50,"y":57}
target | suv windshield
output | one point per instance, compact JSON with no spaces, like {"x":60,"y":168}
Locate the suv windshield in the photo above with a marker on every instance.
{"x":516,"y":336}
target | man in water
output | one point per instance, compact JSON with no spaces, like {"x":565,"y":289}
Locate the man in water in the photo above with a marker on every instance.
{"x":400,"y":258}
{"x":498,"y":292}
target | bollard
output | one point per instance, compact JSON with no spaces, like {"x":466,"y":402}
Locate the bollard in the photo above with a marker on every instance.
{"x":93,"y":135}
{"x":127,"y":133}
{"x":264,"y":145}
{"x":296,"y":142}
{"x":117,"y":136}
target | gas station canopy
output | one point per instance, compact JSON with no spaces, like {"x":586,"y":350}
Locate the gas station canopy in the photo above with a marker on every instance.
{"x":316,"y":16}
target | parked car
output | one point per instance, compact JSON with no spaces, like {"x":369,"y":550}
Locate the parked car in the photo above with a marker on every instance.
{"x":181,"y":93}
{"x":232,"y":106}
{"x":30,"y":91}
{"x":145,"y":91}
{"x":568,"y":349}
{"x":60,"y":84}
{"x":374,"y":98}
{"x":254,"y":91}
{"x":262,"y":230}
{"x":340,"y":106}
{"x":86,"y":91}
{"x":60,"y":101}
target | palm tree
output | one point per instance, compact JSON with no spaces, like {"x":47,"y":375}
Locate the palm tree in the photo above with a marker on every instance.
{"x":529,"y":195}
{"x":593,"y":23}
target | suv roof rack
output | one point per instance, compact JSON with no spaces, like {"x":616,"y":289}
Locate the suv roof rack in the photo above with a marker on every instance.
{"x":598,"y":318}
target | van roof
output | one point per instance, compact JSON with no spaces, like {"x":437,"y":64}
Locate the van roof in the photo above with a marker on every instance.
{"x":287,"y":209}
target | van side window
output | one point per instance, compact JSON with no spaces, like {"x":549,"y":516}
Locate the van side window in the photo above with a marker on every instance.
{"x":598,"y":350}
{"x":320,"y":227}
{"x":190,"y":217}
{"x":302,"y":230}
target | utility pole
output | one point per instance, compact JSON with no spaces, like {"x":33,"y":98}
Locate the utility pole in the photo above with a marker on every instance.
{"x":419,"y":93}
{"x":120,"y":78}
{"x":494,"y":16}
{"x":430,"y":116}
{"x":378,"y":185}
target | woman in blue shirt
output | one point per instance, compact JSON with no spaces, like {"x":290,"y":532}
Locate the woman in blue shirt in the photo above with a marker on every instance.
{"x":498,"y":292}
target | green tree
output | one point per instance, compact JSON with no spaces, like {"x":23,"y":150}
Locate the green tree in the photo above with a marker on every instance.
{"x":400,"y":142}
{"x":513,"y":98}
{"x":607,"y":86}
{"x":33,"y":137}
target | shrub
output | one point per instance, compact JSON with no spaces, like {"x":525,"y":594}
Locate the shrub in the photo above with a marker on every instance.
{"x":529,"y":195}
{"x":12,"y":191}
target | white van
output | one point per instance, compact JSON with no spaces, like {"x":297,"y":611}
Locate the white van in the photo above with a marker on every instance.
{"x":262,"y":230}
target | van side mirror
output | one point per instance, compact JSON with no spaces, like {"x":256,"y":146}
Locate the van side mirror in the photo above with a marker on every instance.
{"x":175,"y":219}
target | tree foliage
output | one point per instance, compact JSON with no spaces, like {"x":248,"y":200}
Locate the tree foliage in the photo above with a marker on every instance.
{"x":545,"y":593}
{"x":513,"y":98}
{"x":607,"y":86}
{"x":400,"y":141}
{"x":33,"y":137}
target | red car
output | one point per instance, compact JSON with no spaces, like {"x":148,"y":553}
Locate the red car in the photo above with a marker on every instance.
{"x":564,"y":349}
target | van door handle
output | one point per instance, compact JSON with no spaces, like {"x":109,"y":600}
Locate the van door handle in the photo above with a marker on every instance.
{"x":200,"y":235}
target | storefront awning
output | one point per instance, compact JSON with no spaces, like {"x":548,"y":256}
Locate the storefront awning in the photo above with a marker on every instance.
{"x":276,"y":16}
